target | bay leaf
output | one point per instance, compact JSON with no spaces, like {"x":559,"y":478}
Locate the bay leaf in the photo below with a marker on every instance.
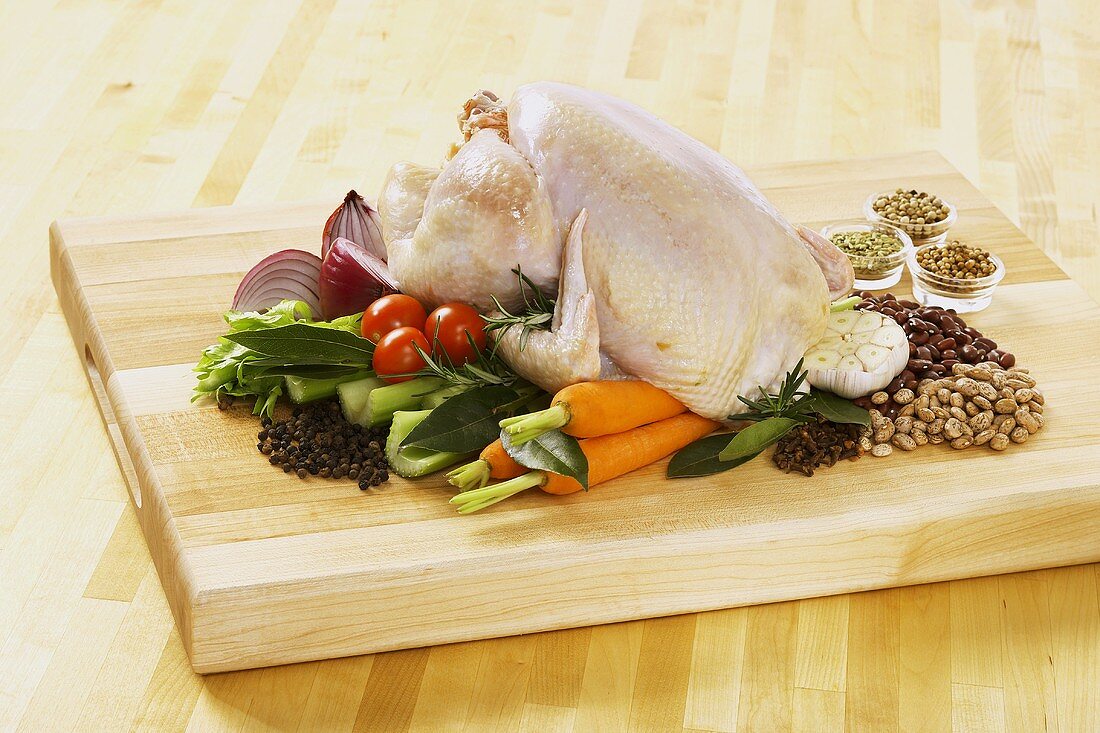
{"x":552,"y":451}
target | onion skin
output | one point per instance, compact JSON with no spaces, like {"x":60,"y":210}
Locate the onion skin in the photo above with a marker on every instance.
{"x":289,"y":274}
{"x":356,"y":221}
{"x":351,"y":279}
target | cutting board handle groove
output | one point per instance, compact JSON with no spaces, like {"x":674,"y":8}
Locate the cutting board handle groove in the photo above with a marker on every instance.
{"x":110,"y":423}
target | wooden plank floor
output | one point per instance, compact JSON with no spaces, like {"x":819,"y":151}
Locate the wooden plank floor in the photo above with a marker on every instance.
{"x":112,"y":107}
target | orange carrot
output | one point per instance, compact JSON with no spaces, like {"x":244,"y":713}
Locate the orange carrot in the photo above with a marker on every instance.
{"x":609,"y":456}
{"x":592,"y":409}
{"x":493,"y":462}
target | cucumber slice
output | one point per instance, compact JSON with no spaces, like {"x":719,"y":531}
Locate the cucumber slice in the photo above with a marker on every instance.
{"x":410,"y":461}
{"x":301,"y":389}
{"x":353,"y":396}
{"x":382,"y":402}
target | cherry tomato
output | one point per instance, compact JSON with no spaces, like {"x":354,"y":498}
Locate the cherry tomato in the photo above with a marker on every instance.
{"x":394,"y":354}
{"x":450,"y":323}
{"x":390,"y":312}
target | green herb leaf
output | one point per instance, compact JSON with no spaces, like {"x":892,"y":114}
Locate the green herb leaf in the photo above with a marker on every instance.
{"x":466,"y":422}
{"x":552,"y":451}
{"x":755,"y":438}
{"x":838,"y":409}
{"x":283,"y":313}
{"x":701,"y":458}
{"x":304,"y":343}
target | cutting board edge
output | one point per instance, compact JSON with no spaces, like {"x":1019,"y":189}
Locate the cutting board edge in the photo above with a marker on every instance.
{"x":147,"y":501}
{"x":726,"y":573}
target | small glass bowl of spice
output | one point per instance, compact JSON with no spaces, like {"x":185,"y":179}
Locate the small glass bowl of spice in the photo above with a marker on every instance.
{"x":877,"y":251}
{"x":955,"y":275}
{"x":925,"y":217}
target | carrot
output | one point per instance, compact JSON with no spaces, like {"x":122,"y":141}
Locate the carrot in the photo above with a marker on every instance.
{"x":493,"y":462}
{"x":609,"y":456}
{"x":592,"y":409}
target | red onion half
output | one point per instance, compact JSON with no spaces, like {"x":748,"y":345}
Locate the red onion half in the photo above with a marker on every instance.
{"x":351,"y":279}
{"x":357,"y":222}
{"x":287,"y":275}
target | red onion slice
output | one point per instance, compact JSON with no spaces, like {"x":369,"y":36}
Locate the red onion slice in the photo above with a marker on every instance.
{"x":356,"y":221}
{"x":351,"y":279}
{"x":290,"y":274}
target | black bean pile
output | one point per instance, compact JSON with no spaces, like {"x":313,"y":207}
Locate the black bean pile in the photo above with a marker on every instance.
{"x":938,"y":340}
{"x":816,"y":444}
{"x":316,"y":440}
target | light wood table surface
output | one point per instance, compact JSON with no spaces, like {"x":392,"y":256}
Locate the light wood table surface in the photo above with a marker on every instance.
{"x":112,"y":107}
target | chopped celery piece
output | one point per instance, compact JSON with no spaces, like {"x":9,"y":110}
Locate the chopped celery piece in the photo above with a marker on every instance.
{"x":353,"y":396}
{"x":437,"y":398}
{"x":301,"y":389}
{"x":382,"y":402}
{"x":411,"y":461}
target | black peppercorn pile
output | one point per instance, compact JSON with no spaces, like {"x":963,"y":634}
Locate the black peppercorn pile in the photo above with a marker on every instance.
{"x":816,"y":444}
{"x":317,"y":441}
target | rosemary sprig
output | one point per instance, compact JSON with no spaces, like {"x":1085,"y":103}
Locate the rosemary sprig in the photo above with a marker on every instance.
{"x":789,"y":403}
{"x":488,"y":369}
{"x":538,"y":312}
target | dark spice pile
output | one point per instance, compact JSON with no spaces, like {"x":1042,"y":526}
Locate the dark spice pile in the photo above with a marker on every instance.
{"x":317,"y":441}
{"x":816,"y":444}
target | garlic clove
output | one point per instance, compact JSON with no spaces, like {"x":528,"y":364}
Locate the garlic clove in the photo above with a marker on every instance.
{"x":867,"y":321}
{"x":851,"y":362}
{"x":823,"y":360}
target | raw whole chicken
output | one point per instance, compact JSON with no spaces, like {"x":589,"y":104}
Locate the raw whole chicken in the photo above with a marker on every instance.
{"x":668,"y":263}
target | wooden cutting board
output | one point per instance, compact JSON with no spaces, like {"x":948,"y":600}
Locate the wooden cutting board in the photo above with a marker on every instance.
{"x":261,"y":568}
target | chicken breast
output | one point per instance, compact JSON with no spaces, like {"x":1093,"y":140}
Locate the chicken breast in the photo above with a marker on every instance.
{"x":697,"y":283}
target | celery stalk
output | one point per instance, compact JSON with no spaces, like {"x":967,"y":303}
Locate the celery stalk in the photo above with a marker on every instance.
{"x":353,"y":396}
{"x":384,"y":401}
{"x":301,"y":389}
{"x":411,"y":461}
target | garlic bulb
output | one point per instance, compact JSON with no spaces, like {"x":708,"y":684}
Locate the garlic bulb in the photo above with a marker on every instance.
{"x":860,"y":353}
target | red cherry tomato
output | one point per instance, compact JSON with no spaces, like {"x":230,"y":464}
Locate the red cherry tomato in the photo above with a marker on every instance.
{"x":390,"y":312}
{"x":450,"y":323}
{"x":394,"y":356}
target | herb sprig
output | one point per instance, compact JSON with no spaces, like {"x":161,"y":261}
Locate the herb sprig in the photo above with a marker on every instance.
{"x":487,"y":369}
{"x":789,"y":403}
{"x":772,"y":416}
{"x":537,"y":315}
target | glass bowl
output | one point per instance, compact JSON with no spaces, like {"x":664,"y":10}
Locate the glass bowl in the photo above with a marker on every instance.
{"x":874,"y":273}
{"x":921,"y":234}
{"x":963,"y":295}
